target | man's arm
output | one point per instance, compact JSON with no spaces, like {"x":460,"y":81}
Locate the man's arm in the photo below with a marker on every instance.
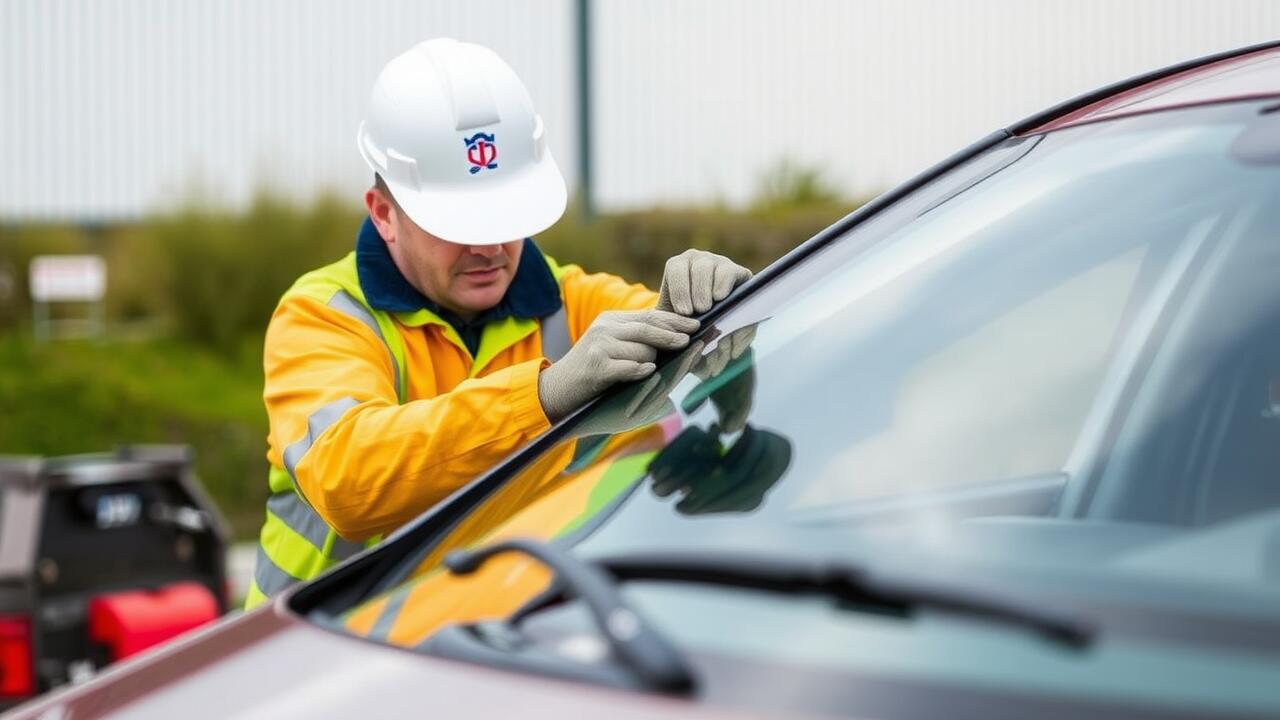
{"x":586,"y":295}
{"x":365,"y":463}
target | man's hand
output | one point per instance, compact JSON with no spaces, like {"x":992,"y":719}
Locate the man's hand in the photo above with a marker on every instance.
{"x":618,"y":347}
{"x":695,"y":280}
{"x":733,"y":395}
{"x":728,"y":348}
{"x":715,"y":479}
{"x":646,"y":404}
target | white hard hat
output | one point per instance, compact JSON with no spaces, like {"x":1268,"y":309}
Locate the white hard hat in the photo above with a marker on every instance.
{"x":452,"y":131}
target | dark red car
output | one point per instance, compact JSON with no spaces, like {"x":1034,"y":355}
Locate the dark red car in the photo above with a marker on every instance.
{"x":1003,"y":443}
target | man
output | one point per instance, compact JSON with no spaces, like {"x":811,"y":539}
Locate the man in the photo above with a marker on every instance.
{"x":446,"y":340}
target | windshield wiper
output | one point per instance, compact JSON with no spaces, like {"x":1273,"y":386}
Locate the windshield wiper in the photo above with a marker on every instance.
{"x":644,"y":658}
{"x":849,"y":584}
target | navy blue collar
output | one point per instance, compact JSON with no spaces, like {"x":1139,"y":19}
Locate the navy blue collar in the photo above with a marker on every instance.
{"x":533,"y":293}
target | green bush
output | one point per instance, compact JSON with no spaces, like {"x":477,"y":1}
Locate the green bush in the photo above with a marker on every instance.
{"x":223,"y":274}
{"x":787,"y":185}
{"x":202,"y":283}
{"x":214,"y":277}
{"x":72,"y":397}
{"x":636,"y":245}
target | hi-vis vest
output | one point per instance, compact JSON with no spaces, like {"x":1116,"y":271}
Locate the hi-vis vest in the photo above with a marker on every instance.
{"x":296,"y":543}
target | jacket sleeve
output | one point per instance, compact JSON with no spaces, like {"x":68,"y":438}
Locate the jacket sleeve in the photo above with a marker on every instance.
{"x":364,"y":462}
{"x":586,"y":295}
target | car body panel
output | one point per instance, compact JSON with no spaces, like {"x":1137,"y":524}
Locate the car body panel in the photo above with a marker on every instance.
{"x":1252,"y":75}
{"x":271,"y":664}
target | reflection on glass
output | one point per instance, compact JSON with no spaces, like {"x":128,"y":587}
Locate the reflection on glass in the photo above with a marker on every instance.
{"x":1056,"y":372}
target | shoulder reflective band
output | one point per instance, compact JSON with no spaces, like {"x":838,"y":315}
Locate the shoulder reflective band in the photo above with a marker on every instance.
{"x":317,"y":423}
{"x":555,"y":335}
{"x":307,"y":523}
{"x":343,"y":301}
{"x":271,"y":579}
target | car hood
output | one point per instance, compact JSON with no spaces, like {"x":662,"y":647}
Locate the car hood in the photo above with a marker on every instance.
{"x":271,"y":664}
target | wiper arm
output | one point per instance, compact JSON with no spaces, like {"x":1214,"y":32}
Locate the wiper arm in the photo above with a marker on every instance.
{"x":845,"y":582}
{"x":650,"y":661}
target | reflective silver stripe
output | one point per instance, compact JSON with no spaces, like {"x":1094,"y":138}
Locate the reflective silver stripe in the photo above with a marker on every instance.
{"x":305,"y":521}
{"x":270,"y":578}
{"x":343,"y":301}
{"x":343,"y":549}
{"x":389,"y":614}
{"x":319,"y":421}
{"x":555,"y":334}
{"x":299,"y":517}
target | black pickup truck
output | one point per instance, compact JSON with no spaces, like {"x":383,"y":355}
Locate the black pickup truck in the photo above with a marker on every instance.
{"x":101,"y":556}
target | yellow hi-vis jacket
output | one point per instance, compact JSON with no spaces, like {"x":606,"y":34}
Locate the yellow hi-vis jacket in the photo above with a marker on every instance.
{"x":378,"y":410}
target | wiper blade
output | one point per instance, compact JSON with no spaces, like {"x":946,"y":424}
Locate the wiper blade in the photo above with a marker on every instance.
{"x":843,"y":581}
{"x":647,"y":660}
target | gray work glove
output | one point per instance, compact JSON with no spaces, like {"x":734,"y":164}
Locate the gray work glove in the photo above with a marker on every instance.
{"x":733,"y":397}
{"x":695,"y":280}
{"x":645,"y":404}
{"x":618,"y":347}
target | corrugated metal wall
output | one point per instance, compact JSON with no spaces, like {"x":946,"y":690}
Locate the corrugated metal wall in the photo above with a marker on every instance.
{"x":113,"y":109}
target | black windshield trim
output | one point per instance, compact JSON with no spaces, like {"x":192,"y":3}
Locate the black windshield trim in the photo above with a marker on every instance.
{"x":1080,"y":102}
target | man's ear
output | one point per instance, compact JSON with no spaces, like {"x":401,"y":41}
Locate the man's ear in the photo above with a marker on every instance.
{"x":382,"y":210}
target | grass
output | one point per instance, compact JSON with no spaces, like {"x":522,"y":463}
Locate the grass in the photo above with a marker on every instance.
{"x":84,"y":396}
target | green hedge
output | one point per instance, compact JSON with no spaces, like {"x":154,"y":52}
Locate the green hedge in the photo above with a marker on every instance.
{"x":71,"y":397}
{"x":213,"y":277}
{"x":199,"y":286}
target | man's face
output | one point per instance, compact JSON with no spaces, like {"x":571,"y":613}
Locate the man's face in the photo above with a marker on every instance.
{"x":466,"y":279}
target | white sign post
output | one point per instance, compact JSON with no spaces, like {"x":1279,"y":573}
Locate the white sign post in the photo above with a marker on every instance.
{"x":68,"y":278}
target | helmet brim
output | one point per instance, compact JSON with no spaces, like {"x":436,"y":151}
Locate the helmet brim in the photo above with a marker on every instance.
{"x":513,"y":208}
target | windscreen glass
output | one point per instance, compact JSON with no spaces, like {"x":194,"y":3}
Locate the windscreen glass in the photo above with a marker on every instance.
{"x":1056,"y":367}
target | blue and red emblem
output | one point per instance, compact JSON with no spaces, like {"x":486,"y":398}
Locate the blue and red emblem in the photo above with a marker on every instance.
{"x":482,"y":153}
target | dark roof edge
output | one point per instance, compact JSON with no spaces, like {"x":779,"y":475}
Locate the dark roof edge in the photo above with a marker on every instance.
{"x":1077,"y":103}
{"x":884,"y":200}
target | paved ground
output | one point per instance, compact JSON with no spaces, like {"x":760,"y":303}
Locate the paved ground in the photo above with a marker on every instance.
{"x":240,"y":567}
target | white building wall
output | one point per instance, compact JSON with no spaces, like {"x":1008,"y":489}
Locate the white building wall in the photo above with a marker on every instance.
{"x":111,"y":109}
{"x":697,"y":98}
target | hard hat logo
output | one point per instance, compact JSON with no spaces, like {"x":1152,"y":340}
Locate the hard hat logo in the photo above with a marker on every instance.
{"x":428,"y":98}
{"x":482,"y":153}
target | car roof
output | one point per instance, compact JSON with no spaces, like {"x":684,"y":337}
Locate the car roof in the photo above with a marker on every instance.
{"x":1244,"y":75}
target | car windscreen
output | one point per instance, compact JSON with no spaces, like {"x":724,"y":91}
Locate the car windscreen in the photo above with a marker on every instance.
{"x":1055,"y":369}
